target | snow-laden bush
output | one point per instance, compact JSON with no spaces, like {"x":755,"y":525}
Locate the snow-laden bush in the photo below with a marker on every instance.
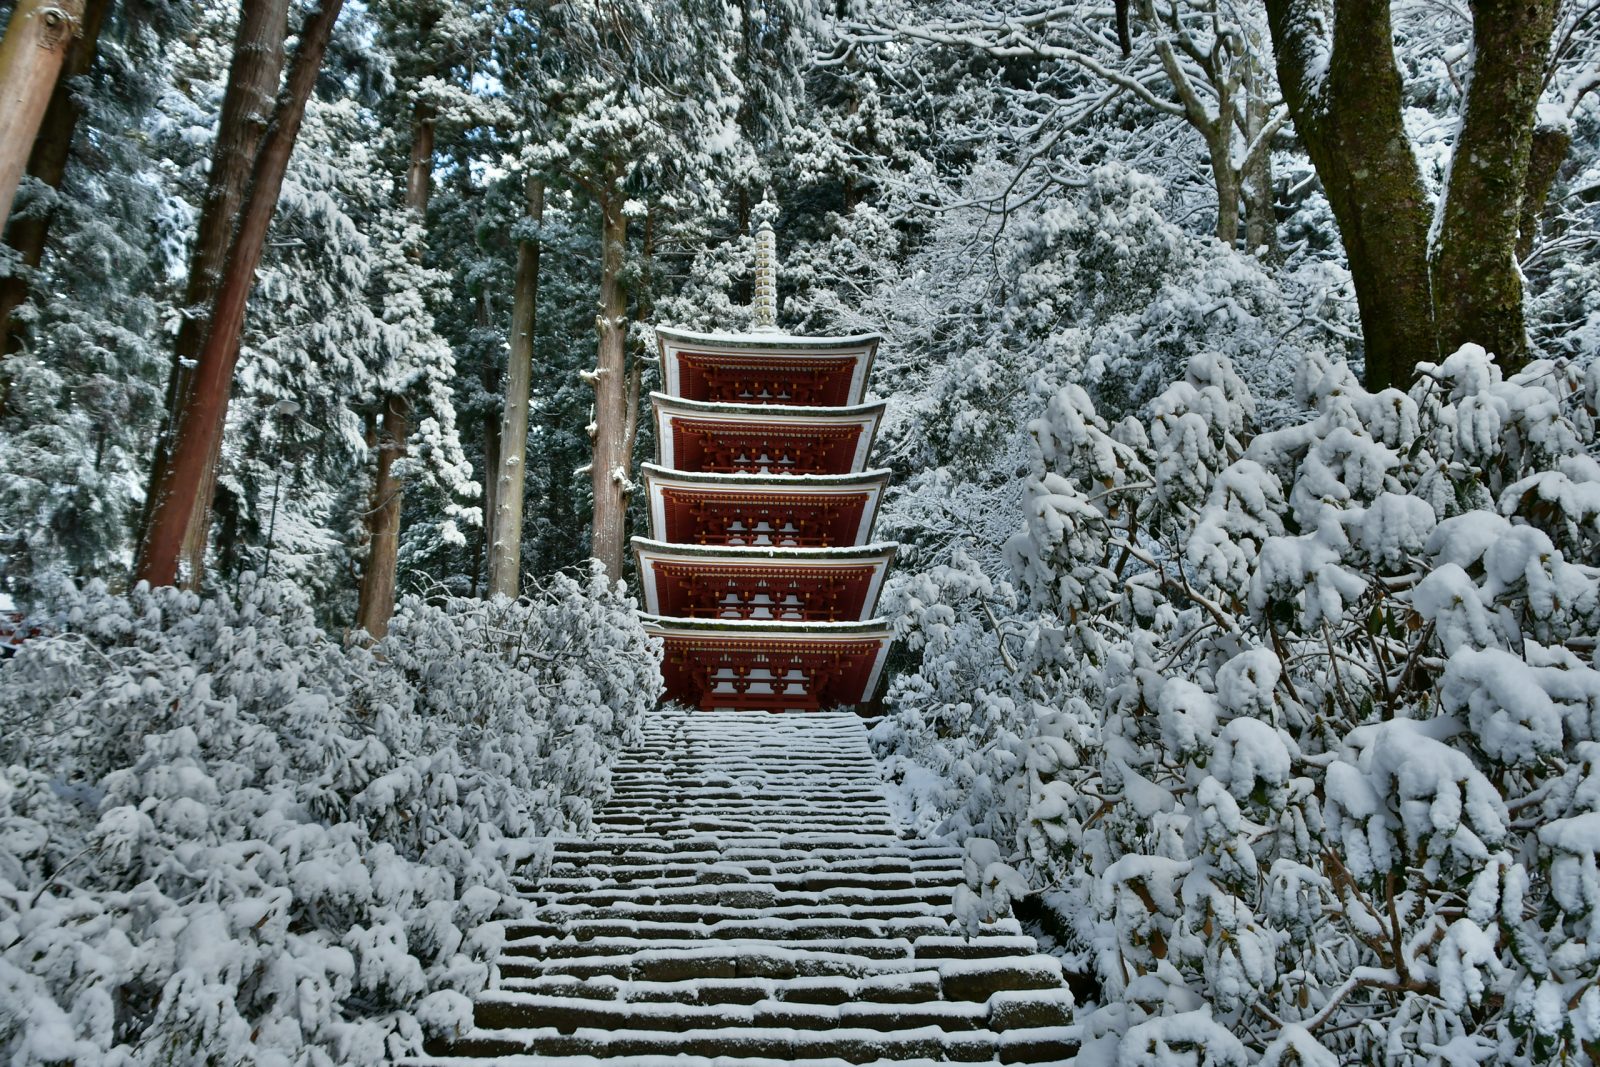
{"x":226,"y":838}
{"x":1308,"y":721}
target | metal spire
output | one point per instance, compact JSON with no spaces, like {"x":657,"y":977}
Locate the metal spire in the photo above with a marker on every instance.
{"x":766,"y":302}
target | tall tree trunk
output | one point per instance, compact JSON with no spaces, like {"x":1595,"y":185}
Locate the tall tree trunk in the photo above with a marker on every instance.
{"x":48,"y":162}
{"x":380,"y":575}
{"x":609,"y":473}
{"x":505,"y":540}
{"x":1477,"y":286}
{"x":205,"y":407}
{"x":35,"y":46}
{"x":1346,"y":105}
{"x":247,"y":108}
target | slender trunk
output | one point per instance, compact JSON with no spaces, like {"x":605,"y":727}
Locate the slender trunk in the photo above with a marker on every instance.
{"x":1550,"y":147}
{"x":610,"y":469}
{"x":1477,"y":285}
{"x":1260,"y":218}
{"x":247,"y":109}
{"x":1350,"y":121}
{"x":380,"y":575}
{"x":205,"y":408}
{"x":505,"y":540}
{"x":48,"y":163}
{"x":35,"y":46}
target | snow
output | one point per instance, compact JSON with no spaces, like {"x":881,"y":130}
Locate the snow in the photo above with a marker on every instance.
{"x":270,"y":845}
{"x":1290,"y":716}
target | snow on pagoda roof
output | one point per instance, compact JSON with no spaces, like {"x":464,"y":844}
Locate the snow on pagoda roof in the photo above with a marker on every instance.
{"x":794,"y":509}
{"x":746,"y":553}
{"x":766,"y":367}
{"x":876,"y":478}
{"x":769,"y":340}
{"x":769,"y":628}
{"x":734,"y":582}
{"x":707,"y":435}
{"x":767,"y":411}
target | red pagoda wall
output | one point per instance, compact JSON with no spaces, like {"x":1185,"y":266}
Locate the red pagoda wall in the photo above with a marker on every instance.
{"x":750,"y":448}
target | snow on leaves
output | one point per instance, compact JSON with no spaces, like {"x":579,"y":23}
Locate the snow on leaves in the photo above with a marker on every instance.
{"x":1325,"y":699}
{"x":225,"y":837}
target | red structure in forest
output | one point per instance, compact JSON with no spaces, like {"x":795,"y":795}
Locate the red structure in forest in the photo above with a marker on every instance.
{"x":760,"y":576}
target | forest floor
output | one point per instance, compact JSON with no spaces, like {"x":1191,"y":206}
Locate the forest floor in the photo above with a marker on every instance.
{"x":747,"y":897}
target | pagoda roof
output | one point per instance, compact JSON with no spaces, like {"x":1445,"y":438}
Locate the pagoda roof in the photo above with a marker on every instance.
{"x":771,"y":665}
{"x":814,"y":510}
{"x":870,"y":408}
{"x":763,"y":438}
{"x":770,"y":627}
{"x":765,"y":340}
{"x":766,"y":367}
{"x":709,"y":582}
{"x":745,"y":553}
{"x":877,"y":477}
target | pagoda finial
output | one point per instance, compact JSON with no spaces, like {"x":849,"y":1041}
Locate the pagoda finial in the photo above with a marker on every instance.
{"x":766,"y":302}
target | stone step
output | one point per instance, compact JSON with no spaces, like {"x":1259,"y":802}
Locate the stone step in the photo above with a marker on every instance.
{"x":792,"y":929}
{"x":874,"y":945}
{"x":853,"y":1045}
{"x":774,"y":845}
{"x":743,"y":895}
{"x":560,"y":911}
{"x":902,"y":987}
{"x":959,"y":979}
{"x":515,"y":1009}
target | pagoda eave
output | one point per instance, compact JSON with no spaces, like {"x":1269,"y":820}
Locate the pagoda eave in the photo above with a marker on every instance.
{"x":800,"y":511}
{"x":772,"y":666}
{"x":800,"y":585}
{"x":703,"y":437}
{"x":766,"y":368}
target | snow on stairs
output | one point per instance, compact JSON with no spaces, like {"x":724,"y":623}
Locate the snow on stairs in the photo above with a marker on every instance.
{"x":747,"y":899}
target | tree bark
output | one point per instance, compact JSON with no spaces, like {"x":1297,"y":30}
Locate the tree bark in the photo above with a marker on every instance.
{"x":1477,"y":287}
{"x":1350,"y":121}
{"x":379,"y":576}
{"x":1260,"y":215}
{"x":48,"y":162}
{"x":205,"y":407}
{"x":1550,"y":147}
{"x":610,"y":469}
{"x":247,"y":109}
{"x":505,"y":540}
{"x":35,"y":47}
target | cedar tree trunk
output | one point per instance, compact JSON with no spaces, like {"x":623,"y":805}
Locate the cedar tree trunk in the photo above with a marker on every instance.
{"x":48,"y":162}
{"x":382,"y":520}
{"x":610,"y":469}
{"x":378,"y":577}
{"x":247,"y":108}
{"x":505,"y":536}
{"x":35,"y":46}
{"x":205,"y":407}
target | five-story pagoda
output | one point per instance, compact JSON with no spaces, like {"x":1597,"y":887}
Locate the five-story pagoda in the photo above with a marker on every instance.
{"x":760,"y":573}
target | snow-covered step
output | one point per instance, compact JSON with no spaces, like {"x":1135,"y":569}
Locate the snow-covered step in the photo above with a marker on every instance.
{"x":748,"y":899}
{"x":851,"y":1044}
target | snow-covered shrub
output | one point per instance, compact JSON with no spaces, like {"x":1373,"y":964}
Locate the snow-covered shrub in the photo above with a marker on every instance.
{"x":228,"y":838}
{"x":1315,"y":765}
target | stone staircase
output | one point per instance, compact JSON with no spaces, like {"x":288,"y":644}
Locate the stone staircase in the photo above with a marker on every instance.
{"x":746,"y":898}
